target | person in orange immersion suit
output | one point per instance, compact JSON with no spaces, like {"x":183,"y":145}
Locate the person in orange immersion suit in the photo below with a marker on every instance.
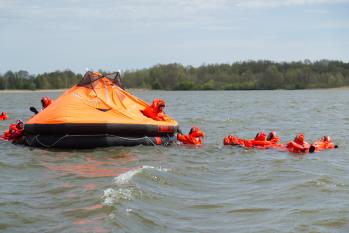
{"x":15,"y":132}
{"x":262,"y":140}
{"x":273,"y":138}
{"x":7,"y":134}
{"x":18,"y":133}
{"x":3,"y":116}
{"x":232,"y":140}
{"x":324,"y":143}
{"x":156,"y":110}
{"x":193,"y":138}
{"x":298,"y":145}
{"x":45,"y":101}
{"x":260,"y":136}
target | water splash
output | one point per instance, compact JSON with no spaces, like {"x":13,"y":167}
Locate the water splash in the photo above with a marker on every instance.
{"x":126,"y":190}
{"x":110,"y":195}
{"x":126,"y":177}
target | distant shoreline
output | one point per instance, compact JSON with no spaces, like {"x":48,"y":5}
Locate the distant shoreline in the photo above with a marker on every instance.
{"x":243,"y":75}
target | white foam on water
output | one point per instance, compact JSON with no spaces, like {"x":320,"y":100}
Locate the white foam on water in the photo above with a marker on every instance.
{"x":160,"y":169}
{"x":125,"y":190}
{"x":126,"y":177}
{"x":110,"y":195}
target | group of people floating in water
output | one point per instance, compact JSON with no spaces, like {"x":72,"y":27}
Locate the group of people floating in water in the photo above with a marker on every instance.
{"x":195,"y":136}
{"x":261,"y":141}
{"x":264,"y":141}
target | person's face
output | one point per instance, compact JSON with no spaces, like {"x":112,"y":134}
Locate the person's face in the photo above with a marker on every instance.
{"x":161,"y":107}
{"x":20,"y":125}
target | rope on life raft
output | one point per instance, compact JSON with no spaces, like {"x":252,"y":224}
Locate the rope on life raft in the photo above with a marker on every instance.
{"x":67,"y":135}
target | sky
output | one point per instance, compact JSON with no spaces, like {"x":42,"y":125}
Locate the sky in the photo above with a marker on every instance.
{"x":47,"y":35}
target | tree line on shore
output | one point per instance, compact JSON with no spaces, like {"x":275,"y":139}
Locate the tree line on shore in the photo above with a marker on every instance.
{"x":248,"y":75}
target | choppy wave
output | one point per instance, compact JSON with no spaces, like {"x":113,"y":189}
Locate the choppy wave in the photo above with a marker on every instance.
{"x":111,"y":195}
{"x":124,"y":189}
{"x":127,"y":176}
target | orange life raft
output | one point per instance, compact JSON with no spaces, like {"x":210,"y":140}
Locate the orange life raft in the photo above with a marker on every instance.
{"x":97,"y":112}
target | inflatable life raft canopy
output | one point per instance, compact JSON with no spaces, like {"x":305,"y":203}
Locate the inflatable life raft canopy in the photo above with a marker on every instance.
{"x":97,"y":112}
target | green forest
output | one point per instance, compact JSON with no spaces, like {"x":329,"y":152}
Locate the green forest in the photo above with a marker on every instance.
{"x":248,"y":75}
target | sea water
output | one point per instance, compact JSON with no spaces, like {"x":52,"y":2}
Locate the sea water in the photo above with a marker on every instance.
{"x":211,"y":188}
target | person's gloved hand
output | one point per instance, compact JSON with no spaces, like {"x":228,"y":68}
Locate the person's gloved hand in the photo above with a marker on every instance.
{"x":33,"y":109}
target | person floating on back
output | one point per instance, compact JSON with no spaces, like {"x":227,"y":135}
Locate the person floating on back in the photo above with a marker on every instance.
{"x":233,"y":140}
{"x":15,"y":132}
{"x":193,"y":138}
{"x":323,"y":144}
{"x":7,"y":134}
{"x":156,"y":110}
{"x":3,"y":116}
{"x":298,"y":145}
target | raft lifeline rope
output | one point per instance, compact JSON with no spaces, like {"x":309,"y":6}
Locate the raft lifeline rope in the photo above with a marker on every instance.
{"x":36,"y":138}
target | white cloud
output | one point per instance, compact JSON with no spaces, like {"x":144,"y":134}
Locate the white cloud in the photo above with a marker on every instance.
{"x":147,"y":32}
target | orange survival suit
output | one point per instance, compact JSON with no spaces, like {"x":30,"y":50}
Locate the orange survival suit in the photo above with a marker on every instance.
{"x":233,"y":140}
{"x":298,"y":145}
{"x":15,"y":132}
{"x":155,"y":110}
{"x":3,"y":116}
{"x":324,"y":143}
{"x":194,"y":137}
{"x":45,"y":101}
